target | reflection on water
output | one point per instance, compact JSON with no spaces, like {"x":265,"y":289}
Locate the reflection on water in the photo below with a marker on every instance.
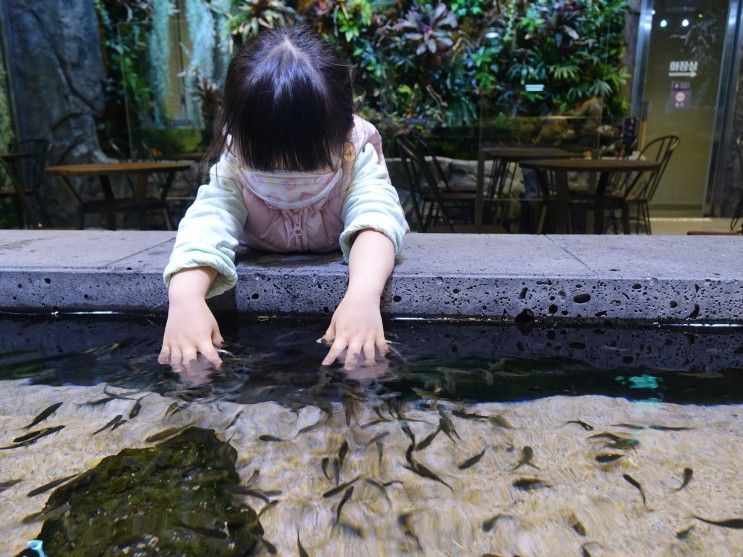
{"x":473,"y":439}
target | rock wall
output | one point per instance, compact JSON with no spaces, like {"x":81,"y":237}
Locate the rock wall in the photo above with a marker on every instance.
{"x":56,"y":80}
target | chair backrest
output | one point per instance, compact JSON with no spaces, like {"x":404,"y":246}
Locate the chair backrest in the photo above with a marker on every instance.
{"x":421,"y":181}
{"x":439,"y":175}
{"x":658,"y":150}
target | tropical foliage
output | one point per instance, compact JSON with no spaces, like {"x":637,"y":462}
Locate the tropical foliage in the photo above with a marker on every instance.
{"x":438,"y":63}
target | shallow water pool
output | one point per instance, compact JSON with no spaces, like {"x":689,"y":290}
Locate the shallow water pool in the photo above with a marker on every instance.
{"x":473,"y":439}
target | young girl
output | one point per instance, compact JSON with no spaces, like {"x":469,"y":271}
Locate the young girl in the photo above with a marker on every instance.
{"x":298,"y":172}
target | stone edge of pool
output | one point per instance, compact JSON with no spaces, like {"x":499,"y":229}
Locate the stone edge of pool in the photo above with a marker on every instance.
{"x":593,"y":278}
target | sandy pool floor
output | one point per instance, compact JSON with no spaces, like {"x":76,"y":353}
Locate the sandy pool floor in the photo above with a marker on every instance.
{"x":581,"y":505}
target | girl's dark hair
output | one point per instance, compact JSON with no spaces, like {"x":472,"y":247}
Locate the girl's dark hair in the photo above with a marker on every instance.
{"x":288,"y":103}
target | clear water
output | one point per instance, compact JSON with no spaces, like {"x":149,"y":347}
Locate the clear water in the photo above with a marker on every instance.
{"x":541,"y":388}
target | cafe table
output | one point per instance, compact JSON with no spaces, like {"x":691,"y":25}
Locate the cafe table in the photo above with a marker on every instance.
{"x":605,"y":168}
{"x":110,"y":205}
{"x":502,"y":157}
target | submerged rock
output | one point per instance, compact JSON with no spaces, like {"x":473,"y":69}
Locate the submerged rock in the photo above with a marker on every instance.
{"x":170,"y":499}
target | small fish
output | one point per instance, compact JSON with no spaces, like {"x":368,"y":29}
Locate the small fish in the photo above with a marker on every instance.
{"x":609,"y":457}
{"x":310,"y":427}
{"x":44,"y":415}
{"x":271,"y":548}
{"x":233,"y":422}
{"x":629,"y":426}
{"x":50,"y":485}
{"x":683,"y":534}
{"x":409,"y":433}
{"x":270,"y":438}
{"x":379,"y":486}
{"x":31,"y":435}
{"x":736,"y":523}
{"x":120,"y":396}
{"x":669,"y":428}
{"x":528,"y":484}
{"x":380,"y":450}
{"x":446,"y":425}
{"x":499,"y":421}
{"x":577,"y":525}
{"x":324,"y":466}
{"x":7,"y":484}
{"x":300,"y":548}
{"x":471,"y":461}
{"x":170,"y":432}
{"x":207,"y":532}
{"x":46,"y":514}
{"x":424,"y":472}
{"x":36,"y":436}
{"x":488,"y":525}
{"x":352,"y":529}
{"x":346,"y":496}
{"x":377,"y":437}
{"x":373,"y":423}
{"x":460,"y":413}
{"x":527,"y":453}
{"x":607,"y":435}
{"x":270,"y":505}
{"x":349,"y":408}
{"x":622,"y":444}
{"x":688,"y":473}
{"x":337,"y":489}
{"x":636,"y":484}
{"x":428,"y":440}
{"x":336,"y":470}
{"x":174,"y":408}
{"x":99,"y":401}
{"x":403,"y":520}
{"x":581,"y":423}
{"x":342,"y":451}
{"x":136,"y":407}
{"x":115,"y":420}
{"x":378,"y":412}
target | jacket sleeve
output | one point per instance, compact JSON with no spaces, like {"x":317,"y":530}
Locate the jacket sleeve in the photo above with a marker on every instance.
{"x":371,"y":202}
{"x":208,"y":233}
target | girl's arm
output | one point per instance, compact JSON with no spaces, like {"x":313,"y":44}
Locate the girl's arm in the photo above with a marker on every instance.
{"x":374,"y":229}
{"x":202,"y":265}
{"x":357,"y":322}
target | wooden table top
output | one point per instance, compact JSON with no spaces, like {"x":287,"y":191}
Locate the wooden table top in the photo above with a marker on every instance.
{"x":516,"y":154}
{"x":592,"y":165}
{"x":112,"y":168}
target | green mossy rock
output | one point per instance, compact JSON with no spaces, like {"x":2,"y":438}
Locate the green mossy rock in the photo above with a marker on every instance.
{"x":170,"y":499}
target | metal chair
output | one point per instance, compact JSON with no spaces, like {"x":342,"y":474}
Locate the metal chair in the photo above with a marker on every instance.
{"x":25,"y":165}
{"x":637,"y":191}
{"x":434,"y":210}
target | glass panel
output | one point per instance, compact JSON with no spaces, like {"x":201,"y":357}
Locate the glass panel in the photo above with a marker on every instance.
{"x":681,"y":92}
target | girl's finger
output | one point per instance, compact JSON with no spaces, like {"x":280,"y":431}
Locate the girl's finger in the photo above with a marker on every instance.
{"x":189,"y":354}
{"x":335,"y":351}
{"x":217,"y":339}
{"x":164,"y":356}
{"x":329,"y":335}
{"x":382,"y":347}
{"x":353,"y":355}
{"x":210,"y":353}
{"x":369,"y":354}
{"x":176,"y":360}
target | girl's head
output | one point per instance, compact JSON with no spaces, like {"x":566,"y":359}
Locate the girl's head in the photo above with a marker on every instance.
{"x":288,"y":102}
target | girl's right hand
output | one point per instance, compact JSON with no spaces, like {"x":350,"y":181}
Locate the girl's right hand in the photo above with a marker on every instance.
{"x":191,"y":329}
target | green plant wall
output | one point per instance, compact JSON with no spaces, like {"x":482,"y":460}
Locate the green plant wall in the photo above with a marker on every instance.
{"x":433,"y":64}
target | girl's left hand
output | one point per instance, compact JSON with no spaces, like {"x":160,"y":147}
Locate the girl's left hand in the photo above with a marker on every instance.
{"x":356,"y":326}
